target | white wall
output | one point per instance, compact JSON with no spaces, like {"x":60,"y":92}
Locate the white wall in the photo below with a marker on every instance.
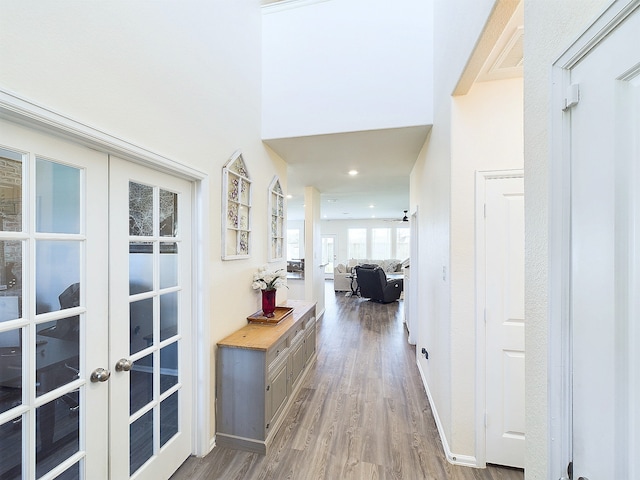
{"x":486,"y":134}
{"x":435,"y":189}
{"x":324,"y":63}
{"x":182,"y":79}
{"x":550,"y":26}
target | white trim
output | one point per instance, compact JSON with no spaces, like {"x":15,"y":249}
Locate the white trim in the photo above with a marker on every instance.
{"x":480,"y":301}
{"x":412,"y":292}
{"x":559,"y":367}
{"x":30,"y":114}
{"x":279,"y":6}
{"x":613,"y":16}
{"x":455,"y":459}
{"x":200,"y":328}
{"x":558,"y":337}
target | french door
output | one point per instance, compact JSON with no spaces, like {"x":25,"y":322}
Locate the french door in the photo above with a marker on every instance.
{"x":328,"y":254}
{"x":68,"y":408}
{"x":150,"y":249}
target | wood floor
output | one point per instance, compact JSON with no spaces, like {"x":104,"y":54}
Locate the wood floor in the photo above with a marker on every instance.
{"x":362,"y":412}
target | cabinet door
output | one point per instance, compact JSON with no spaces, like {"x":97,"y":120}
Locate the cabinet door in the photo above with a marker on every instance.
{"x":277,"y":393}
{"x":297,"y":359}
{"x":310,"y":342}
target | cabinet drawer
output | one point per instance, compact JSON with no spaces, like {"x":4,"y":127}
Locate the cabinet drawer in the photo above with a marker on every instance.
{"x":309,"y":320}
{"x":297,"y":330}
{"x":278,"y":349}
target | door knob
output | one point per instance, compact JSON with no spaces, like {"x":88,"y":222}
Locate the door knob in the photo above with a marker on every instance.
{"x":124,"y":365}
{"x":100,"y":375}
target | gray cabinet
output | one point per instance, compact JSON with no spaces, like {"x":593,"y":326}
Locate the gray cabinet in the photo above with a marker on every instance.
{"x":259,"y":371}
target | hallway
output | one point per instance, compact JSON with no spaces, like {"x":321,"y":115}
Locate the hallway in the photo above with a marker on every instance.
{"x":361,"y":414}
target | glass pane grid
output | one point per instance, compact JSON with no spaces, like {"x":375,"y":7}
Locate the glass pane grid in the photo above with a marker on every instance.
{"x":154,"y":327}
{"x":47,"y":240}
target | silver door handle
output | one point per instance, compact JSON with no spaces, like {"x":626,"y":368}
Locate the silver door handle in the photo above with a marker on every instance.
{"x":100,"y":375}
{"x":124,"y":365}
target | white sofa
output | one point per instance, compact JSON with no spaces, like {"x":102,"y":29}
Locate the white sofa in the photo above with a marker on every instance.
{"x":342,"y":272}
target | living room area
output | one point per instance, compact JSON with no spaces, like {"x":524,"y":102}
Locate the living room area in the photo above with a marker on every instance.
{"x":350,"y":243}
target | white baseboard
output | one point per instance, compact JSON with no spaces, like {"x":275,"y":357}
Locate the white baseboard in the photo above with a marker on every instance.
{"x":455,"y":459}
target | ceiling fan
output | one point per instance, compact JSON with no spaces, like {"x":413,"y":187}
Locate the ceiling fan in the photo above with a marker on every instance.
{"x":403,"y":219}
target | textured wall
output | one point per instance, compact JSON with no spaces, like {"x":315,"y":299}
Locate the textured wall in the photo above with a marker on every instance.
{"x":550,"y":26}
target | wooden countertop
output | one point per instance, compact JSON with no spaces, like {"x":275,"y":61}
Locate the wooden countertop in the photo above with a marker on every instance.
{"x":260,"y":336}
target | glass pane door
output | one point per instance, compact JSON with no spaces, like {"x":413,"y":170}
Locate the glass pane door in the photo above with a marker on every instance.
{"x":49,"y":305}
{"x":151,"y":334}
{"x":328,"y":254}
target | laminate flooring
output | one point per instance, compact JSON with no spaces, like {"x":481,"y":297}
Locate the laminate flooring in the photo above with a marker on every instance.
{"x":362,"y":412}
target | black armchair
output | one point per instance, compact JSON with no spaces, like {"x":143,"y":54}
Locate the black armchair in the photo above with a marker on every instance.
{"x":373,"y":284}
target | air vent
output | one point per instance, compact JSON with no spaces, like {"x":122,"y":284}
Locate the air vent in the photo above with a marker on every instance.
{"x":511,"y":56}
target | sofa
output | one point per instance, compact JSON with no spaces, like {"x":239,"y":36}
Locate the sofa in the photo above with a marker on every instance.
{"x":342,"y":272}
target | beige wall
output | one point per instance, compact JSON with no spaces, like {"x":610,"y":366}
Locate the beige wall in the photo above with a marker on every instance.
{"x":550,"y":27}
{"x":486,"y":134}
{"x":176,"y":78}
{"x":442,"y":189}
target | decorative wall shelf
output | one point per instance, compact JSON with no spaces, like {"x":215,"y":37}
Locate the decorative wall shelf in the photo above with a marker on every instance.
{"x":276,"y":221}
{"x":236,"y":209}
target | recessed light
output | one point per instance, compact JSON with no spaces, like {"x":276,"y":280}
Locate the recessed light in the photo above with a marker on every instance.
{"x":289,"y":196}
{"x":372,"y":206}
{"x":353,"y":172}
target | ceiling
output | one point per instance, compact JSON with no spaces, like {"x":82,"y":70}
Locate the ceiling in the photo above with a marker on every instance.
{"x":382,"y":158}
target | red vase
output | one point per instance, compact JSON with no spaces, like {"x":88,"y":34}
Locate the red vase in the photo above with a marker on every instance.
{"x":268,"y":302}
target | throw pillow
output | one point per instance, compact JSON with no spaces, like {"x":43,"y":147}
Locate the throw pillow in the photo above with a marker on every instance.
{"x":341,"y":268}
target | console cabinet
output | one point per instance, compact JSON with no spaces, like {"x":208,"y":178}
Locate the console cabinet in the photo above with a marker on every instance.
{"x":259,"y":371}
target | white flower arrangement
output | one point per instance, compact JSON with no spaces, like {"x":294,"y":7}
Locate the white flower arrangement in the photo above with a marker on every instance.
{"x":265,"y":279}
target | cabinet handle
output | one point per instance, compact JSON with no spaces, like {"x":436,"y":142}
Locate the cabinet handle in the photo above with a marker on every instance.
{"x":268,"y":386}
{"x":268,"y":425}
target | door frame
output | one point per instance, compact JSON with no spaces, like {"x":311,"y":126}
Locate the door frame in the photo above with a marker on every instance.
{"x":559,"y":359}
{"x":25,"y":112}
{"x":480,"y":270}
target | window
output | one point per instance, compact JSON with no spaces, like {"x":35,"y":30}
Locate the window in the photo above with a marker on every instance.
{"x":357,"y":243}
{"x":402,"y":243}
{"x":381,"y":243}
{"x":293,"y":244}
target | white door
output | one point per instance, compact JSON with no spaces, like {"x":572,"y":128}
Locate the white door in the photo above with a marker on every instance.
{"x":71,"y":306}
{"x":504,"y":333}
{"x":150,"y":304}
{"x":328,"y":254}
{"x":605,"y":128}
{"x":53,"y":307}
